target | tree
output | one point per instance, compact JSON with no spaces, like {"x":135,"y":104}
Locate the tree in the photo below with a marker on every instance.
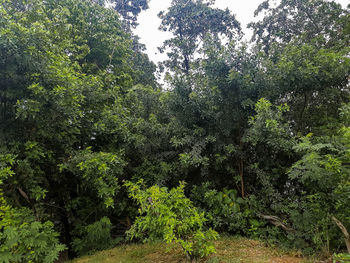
{"x":190,"y":22}
{"x":129,"y":9}
{"x":313,"y":81}
{"x":66,"y":68}
{"x":80,"y":112}
{"x":324,"y":182}
{"x":316,"y":20}
{"x":23,"y":237}
{"x":269,"y":143}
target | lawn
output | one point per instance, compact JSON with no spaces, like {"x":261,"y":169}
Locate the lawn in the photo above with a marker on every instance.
{"x":229,"y":250}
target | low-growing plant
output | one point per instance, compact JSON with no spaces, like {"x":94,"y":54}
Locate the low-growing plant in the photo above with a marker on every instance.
{"x":341,"y":258}
{"x":95,"y":237}
{"x":24,"y":239}
{"x":226,"y":212}
{"x":170,"y":216}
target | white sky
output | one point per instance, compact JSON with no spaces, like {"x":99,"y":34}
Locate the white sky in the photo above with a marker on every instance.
{"x":153,"y":38}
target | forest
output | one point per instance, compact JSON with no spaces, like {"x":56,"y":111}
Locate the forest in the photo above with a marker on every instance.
{"x":99,"y":146}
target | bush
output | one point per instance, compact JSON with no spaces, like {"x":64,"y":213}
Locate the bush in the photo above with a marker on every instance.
{"x":23,"y":239}
{"x":94,"y":237}
{"x":170,"y":216}
{"x":341,"y":258}
{"x":225,"y":211}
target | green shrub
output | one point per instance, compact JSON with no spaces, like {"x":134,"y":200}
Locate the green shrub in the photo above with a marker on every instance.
{"x":225,"y":211}
{"x":23,"y":239}
{"x":94,"y":237}
{"x":341,"y":258}
{"x":323,"y":174}
{"x":170,"y":216}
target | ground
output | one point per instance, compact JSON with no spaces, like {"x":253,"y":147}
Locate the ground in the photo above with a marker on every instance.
{"x":229,"y":250}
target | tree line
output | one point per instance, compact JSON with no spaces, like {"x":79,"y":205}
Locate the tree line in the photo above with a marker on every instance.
{"x":259,"y":131}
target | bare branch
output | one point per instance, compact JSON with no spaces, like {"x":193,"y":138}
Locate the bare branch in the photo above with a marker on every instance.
{"x":277,"y":222}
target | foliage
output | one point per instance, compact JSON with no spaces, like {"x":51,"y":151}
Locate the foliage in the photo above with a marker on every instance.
{"x":268,"y":125}
{"x":311,"y":80}
{"x":170,"y":216}
{"x":226,"y":212}
{"x":130,"y":9}
{"x":310,"y":20}
{"x":6,"y":163}
{"x":94,"y":237}
{"x":81,"y":111}
{"x":341,"y":258}
{"x":99,"y":170}
{"x":22,"y":237}
{"x":65,"y":69}
{"x":182,"y":20}
{"x":324,"y":178}
{"x":270,"y":141}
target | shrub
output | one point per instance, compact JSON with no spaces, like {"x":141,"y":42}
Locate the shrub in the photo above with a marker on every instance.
{"x":225,"y":211}
{"x":94,"y":237}
{"x":170,"y":216}
{"x":23,"y":239}
{"x":341,"y":258}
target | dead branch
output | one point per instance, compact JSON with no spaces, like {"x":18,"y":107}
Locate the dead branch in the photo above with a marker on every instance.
{"x":23,"y":194}
{"x":277,"y":222}
{"x":344,"y":231}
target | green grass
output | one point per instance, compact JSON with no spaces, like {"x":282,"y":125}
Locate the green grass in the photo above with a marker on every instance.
{"x":229,"y":250}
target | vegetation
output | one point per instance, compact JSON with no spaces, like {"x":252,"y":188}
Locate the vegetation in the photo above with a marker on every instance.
{"x":260,"y":133}
{"x":170,"y":216}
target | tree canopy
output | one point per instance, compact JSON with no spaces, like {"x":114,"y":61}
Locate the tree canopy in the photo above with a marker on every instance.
{"x":259,"y":132}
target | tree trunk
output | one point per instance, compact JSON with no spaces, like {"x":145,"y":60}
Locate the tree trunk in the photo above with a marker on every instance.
{"x":66,"y":230}
{"x":241,"y":174}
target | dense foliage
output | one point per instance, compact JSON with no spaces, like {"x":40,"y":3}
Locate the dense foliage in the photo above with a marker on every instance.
{"x":170,"y":216}
{"x":259,"y":132}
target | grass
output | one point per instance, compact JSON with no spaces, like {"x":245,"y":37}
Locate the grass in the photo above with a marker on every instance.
{"x":229,"y":250}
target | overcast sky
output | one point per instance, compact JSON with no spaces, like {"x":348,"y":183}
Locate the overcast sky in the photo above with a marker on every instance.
{"x":153,"y":38}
